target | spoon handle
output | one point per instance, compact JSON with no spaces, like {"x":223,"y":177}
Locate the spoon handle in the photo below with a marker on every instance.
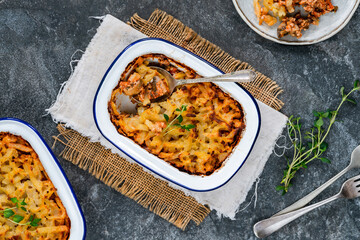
{"x":266,"y":227}
{"x":238,"y":76}
{"x":305,"y":200}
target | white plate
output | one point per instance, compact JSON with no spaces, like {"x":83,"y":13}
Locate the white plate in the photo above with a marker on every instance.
{"x":54,"y":171}
{"x":150,"y":161}
{"x":329,"y":25}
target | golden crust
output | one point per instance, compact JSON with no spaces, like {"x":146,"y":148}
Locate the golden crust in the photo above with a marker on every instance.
{"x":218,"y":119}
{"x":292,"y":21}
{"x":23,"y":177}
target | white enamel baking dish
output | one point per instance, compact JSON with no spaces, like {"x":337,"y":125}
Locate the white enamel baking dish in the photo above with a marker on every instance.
{"x":54,"y":171}
{"x":150,"y":161}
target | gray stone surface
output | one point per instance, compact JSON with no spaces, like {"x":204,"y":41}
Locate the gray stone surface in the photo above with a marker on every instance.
{"x":37,"y":39}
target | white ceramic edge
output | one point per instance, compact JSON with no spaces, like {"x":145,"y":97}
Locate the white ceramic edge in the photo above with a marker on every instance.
{"x":18,"y":127}
{"x":338,"y":29}
{"x":157,"y":165}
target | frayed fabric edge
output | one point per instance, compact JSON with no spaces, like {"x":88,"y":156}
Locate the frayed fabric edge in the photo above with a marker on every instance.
{"x":54,"y":108}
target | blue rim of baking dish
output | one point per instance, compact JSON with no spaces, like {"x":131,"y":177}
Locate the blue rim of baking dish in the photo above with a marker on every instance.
{"x":201,"y":59}
{"x":57,"y":163}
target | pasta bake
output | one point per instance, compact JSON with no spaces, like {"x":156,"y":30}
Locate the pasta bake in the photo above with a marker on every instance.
{"x":30,"y":206}
{"x":292,"y":22}
{"x":194,"y":130}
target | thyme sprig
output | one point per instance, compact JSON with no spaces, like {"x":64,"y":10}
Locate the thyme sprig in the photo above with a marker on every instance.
{"x":312,"y":145}
{"x":179,"y":118}
{"x":10,"y":215}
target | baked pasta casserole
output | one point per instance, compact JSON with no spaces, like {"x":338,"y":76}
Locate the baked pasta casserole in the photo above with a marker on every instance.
{"x":194,"y":130}
{"x":292,"y":22}
{"x":30,"y":206}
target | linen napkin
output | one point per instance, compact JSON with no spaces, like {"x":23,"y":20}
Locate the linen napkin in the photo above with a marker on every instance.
{"x":73,"y":107}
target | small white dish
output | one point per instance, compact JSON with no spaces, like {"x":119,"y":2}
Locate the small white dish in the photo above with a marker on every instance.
{"x":54,"y":171}
{"x":196,"y":183}
{"x":329,"y":25}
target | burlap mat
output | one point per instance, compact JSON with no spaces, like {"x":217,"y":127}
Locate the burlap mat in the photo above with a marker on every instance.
{"x":162,"y":25}
{"x":130,"y":179}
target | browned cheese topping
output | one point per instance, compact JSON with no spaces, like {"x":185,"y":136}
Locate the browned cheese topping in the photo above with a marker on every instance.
{"x":23,"y":177}
{"x":292,"y":23}
{"x":217,"y":122}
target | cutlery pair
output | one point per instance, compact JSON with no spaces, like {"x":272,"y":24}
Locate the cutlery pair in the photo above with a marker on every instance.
{"x":349,"y":190}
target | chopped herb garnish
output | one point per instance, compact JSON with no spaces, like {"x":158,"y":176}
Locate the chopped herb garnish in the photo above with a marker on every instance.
{"x":15,"y":218}
{"x":179,"y":118}
{"x":188,"y":127}
{"x":8,"y":213}
{"x":166,"y":117}
{"x":35,"y":222}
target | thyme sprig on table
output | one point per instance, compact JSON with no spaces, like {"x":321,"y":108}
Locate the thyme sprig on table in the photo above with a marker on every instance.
{"x":179,"y":118}
{"x":10,"y":215}
{"x":312,"y":146}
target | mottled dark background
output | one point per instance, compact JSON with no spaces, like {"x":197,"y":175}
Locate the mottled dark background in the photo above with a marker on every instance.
{"x":37,"y":39}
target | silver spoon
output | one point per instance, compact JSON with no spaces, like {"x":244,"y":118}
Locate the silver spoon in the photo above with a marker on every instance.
{"x":241,"y":76}
{"x":350,"y":189}
{"x":125,"y":104}
{"x":354,"y":163}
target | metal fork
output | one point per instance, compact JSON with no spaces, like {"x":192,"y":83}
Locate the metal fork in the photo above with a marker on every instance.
{"x":350,"y":189}
{"x":354,"y":163}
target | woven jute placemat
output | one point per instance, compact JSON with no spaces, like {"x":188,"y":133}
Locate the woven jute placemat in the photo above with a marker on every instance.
{"x":129,"y":178}
{"x":162,"y":25}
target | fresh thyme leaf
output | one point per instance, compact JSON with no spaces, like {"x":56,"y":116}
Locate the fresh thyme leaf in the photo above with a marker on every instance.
{"x":319,"y":122}
{"x":166,"y":117}
{"x":177,"y":110}
{"x":325,"y":160}
{"x":189,"y":126}
{"x":351,"y":100}
{"x":177,"y":124}
{"x":356,"y":84}
{"x":17,"y":218}
{"x":325,"y":114}
{"x":304,"y":165}
{"x":342,"y":91}
{"x":14,"y":200}
{"x":323,"y":146}
{"x":316,"y":114}
{"x":8,"y":213}
{"x":24,"y":209}
{"x":35,"y":222}
{"x":23,"y":202}
{"x":311,"y":146}
{"x":31,"y":218}
{"x":180,"y":118}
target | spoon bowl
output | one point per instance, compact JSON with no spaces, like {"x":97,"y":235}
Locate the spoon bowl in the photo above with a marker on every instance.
{"x":355,"y":158}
